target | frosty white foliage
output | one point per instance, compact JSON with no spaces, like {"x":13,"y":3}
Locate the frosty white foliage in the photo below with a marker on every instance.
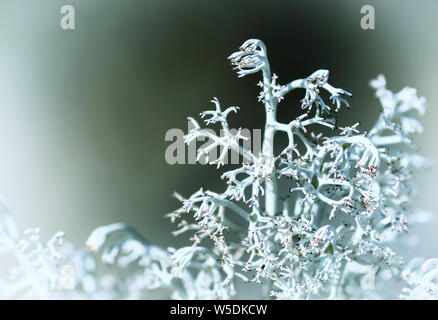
{"x":347,"y":192}
{"x":350,"y":195}
{"x":34,"y":266}
{"x":143,"y":270}
{"x":422,"y":277}
{"x":348,"y":199}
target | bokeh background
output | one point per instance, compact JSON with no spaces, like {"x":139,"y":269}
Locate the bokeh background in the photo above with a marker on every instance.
{"x":83,"y":113}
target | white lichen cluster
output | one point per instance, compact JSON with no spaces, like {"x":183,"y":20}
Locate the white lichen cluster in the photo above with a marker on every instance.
{"x":330,"y":237}
{"x":31,"y":268}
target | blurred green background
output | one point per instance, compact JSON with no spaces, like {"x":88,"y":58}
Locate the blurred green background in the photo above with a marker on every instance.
{"x":83,"y":113}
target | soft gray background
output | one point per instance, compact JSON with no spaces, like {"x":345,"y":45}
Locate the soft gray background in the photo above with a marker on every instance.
{"x":83,"y":113}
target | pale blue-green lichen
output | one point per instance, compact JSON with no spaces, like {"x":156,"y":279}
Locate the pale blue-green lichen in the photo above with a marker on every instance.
{"x":331,"y":237}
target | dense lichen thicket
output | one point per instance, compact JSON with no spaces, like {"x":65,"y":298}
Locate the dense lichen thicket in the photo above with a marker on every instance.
{"x":349,"y":200}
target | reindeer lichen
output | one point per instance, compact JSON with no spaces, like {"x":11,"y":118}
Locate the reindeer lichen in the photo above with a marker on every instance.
{"x":331,"y":237}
